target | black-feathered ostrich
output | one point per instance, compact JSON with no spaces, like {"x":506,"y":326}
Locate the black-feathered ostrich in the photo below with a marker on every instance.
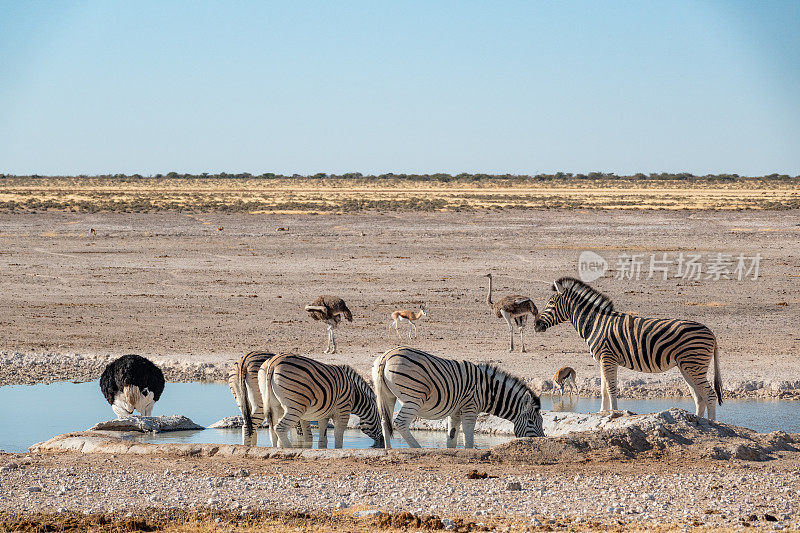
{"x":330,"y":309}
{"x":132,"y":382}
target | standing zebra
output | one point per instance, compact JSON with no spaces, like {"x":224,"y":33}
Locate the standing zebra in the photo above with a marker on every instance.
{"x":243,"y":381}
{"x":297,"y":389}
{"x":643,"y":344}
{"x":431,"y":387}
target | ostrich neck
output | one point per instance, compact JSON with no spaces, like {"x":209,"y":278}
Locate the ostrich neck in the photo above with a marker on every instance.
{"x":489,"y":294}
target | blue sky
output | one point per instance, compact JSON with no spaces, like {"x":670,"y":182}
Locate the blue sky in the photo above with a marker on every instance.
{"x":305,"y":87}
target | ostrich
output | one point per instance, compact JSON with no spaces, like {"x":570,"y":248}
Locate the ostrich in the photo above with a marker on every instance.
{"x":514,"y":308}
{"x":132,"y":382}
{"x":406,"y":315}
{"x":330,"y":309}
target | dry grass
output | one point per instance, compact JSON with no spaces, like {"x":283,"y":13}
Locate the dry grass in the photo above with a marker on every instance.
{"x":335,"y":195}
{"x":268,"y":522}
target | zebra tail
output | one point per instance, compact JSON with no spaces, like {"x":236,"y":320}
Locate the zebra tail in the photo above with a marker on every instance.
{"x":245,"y":401}
{"x":382,"y":394}
{"x":266,"y":396}
{"x":717,"y":375}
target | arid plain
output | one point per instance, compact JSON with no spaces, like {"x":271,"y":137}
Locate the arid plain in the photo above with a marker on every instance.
{"x":195,"y":289}
{"x":209,"y":287}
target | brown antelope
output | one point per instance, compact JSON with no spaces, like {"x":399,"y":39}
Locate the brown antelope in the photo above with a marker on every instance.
{"x":406,"y":315}
{"x":565,"y":376}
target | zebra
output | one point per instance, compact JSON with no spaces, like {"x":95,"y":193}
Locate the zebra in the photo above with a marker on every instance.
{"x":243,"y":381}
{"x":642,"y":344}
{"x":433,"y":388}
{"x":297,"y":389}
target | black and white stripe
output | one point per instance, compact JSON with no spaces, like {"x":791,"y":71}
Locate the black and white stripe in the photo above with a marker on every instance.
{"x":642,"y":344}
{"x":243,"y":381}
{"x":432,"y":387}
{"x":298,"y":389}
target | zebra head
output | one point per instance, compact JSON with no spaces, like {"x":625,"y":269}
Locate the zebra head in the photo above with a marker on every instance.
{"x":572,"y":297}
{"x":528,"y":422}
{"x":556,"y":311}
{"x":365,"y":407}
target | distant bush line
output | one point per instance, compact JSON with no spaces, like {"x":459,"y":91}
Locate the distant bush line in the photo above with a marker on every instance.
{"x":438,"y":177}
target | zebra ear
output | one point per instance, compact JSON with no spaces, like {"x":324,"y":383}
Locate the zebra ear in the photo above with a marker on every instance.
{"x":558,"y":288}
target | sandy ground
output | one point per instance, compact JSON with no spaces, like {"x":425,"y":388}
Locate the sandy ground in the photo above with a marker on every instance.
{"x":677,"y":477}
{"x":202,"y":289}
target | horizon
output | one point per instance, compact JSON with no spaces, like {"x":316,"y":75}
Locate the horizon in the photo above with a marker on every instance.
{"x":511,"y":88}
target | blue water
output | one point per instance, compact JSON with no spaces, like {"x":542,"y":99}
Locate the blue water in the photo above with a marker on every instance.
{"x":30,"y":414}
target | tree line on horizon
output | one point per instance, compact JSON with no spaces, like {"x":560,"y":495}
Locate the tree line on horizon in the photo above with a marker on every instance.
{"x":437,"y":177}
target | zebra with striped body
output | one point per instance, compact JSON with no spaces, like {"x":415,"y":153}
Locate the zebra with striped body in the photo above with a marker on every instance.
{"x":243,"y":381}
{"x":642,"y":344}
{"x":433,"y":388}
{"x":298,"y":389}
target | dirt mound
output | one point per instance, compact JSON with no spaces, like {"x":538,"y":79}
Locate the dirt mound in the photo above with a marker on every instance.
{"x":675,"y":431}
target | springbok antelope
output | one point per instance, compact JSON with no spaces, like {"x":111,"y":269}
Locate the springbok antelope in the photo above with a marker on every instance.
{"x":564,"y":376}
{"x":132,"y":382}
{"x":406,"y":315}
{"x":642,"y":344}
{"x":514,"y":309}
{"x":431,"y":387}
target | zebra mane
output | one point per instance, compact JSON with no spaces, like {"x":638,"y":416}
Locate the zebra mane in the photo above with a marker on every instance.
{"x":358,"y":381}
{"x":497,"y":372}
{"x":580,"y":291}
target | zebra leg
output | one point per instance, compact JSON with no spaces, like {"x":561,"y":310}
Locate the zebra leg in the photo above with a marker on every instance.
{"x":468,"y":427}
{"x":700,"y":388}
{"x":453,"y":421}
{"x":522,"y":338}
{"x":339,"y":425}
{"x":322,"y":441}
{"x":288,"y":421}
{"x":402,"y":422}
{"x":306,"y":438}
{"x":609,"y":385}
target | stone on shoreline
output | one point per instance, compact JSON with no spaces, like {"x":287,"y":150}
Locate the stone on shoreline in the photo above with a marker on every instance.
{"x":155,"y":424}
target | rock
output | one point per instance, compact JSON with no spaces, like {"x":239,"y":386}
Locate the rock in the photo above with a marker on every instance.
{"x":514,"y":485}
{"x":155,"y":424}
{"x":232,"y":422}
{"x":448,"y":524}
{"x":34,"y":489}
{"x":366,"y":513}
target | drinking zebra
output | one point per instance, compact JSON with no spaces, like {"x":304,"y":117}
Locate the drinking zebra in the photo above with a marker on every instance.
{"x":243,"y":381}
{"x":643,"y":344}
{"x":431,"y":387}
{"x":297,"y":389}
